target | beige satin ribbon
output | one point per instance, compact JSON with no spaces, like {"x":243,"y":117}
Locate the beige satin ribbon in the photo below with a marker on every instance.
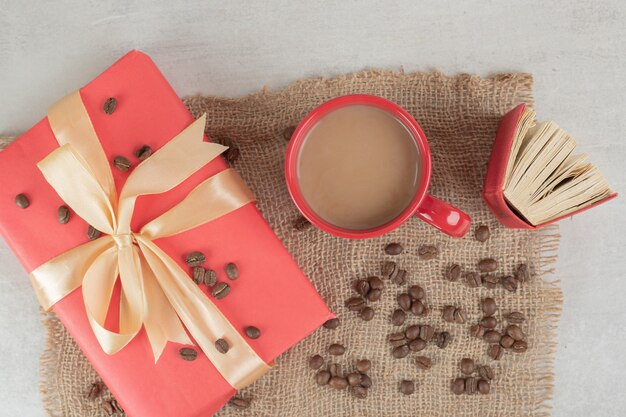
{"x":155,"y":292}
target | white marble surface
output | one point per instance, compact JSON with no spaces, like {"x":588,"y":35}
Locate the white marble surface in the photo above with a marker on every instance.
{"x":575,"y":49}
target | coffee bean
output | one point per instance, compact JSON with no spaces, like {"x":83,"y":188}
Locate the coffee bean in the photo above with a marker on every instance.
{"x":398,"y":317}
{"x":63,"y":214}
{"x":492,"y":336}
{"x":198,"y":274}
{"x":473,"y":280}
{"x":22,"y":201}
{"x":355,"y":303}
{"x":458,"y":386}
{"x":221,"y":345}
{"x":407,"y":387}
{"x":188,"y":354}
{"x":210,"y":277}
{"x":427,"y":252}
{"x":418,"y":308}
{"x":288,"y":132}
{"x":95,"y":391}
{"x":426,"y":332}
{"x":477,"y":330}
{"x":336,"y":349}
{"x":489,"y":322}
{"x":495,"y":352}
{"x":374,"y":295}
{"x":361,"y":286}
{"x":490,"y":281}
{"x":485,"y":371}
{"x":232,"y":154}
{"x":466,"y":365}
{"x":515,"y":317}
{"x":448,"y":313}
{"x":232,"y":272}
{"x":487,"y":265}
{"x":471,"y":384}
{"x":338,"y":383}
{"x":423,"y":362}
{"x":417,"y":345}
{"x":253,"y":332}
{"x":389,"y":267}
{"x":376,"y":283}
{"x":195,"y":259}
{"x":316,"y":362}
{"x":459,"y":316}
{"x":220,"y":290}
{"x":107,"y":406}
{"x":400,"y":277}
{"x":240,"y":403}
{"x":404,"y":301}
{"x":400,"y":352}
{"x":354,"y":379}
{"x":519,"y":346}
{"x":359,"y":392}
{"x":483,"y":386}
{"x":367,"y":313}
{"x":366,"y":381}
{"x":93,"y":233}
{"x":109,"y":105}
{"x":322,"y":377}
{"x":506,"y":341}
{"x":453,"y":273}
{"x":416,"y":292}
{"x":301,"y":223}
{"x":522,"y":273}
{"x":397,"y":336}
{"x":363,"y":365}
{"x":401,"y":342}
{"x":121,"y":163}
{"x":426,"y":311}
{"x":143,"y":153}
{"x":335,"y":369}
{"x":509,"y":283}
{"x":443,"y":339}
{"x":482,"y":233}
{"x":515,"y":332}
{"x":413,"y":332}
{"x":393,"y":249}
{"x":331,"y":324}
{"x":489,"y":306}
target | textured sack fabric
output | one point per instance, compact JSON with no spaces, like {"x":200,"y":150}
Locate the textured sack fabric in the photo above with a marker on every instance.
{"x":459,"y":116}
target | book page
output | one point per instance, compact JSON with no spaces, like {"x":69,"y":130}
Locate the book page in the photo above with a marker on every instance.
{"x":527,"y":120}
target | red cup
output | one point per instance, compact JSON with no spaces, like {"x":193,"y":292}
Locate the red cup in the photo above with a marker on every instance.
{"x":433,"y":211}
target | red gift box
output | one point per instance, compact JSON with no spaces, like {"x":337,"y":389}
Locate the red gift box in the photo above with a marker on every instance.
{"x":496,"y":170}
{"x":271,"y":292}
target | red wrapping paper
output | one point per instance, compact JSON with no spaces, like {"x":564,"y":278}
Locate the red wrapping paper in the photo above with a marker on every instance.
{"x":271,"y":292}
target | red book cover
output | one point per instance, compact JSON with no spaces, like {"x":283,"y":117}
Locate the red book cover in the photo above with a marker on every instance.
{"x":496,"y":170}
{"x":271,"y":292}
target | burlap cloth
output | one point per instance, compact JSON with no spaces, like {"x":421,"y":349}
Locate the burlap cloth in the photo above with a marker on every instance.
{"x":459,"y":116}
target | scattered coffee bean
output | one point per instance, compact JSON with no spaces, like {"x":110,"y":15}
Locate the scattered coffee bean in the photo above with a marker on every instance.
{"x":109,"y":105}
{"x":107,"y":406}
{"x":359,"y":392}
{"x":483,"y":386}
{"x":63,"y":214}
{"x":522,"y":273}
{"x":195,"y":259}
{"x":426,"y":332}
{"x":416,"y":292}
{"x":336,"y":349}
{"x":459,"y":316}
{"x":389,"y":267}
{"x":400,"y":277}
{"x":443,"y":339}
{"x":495,"y":352}
{"x":335,"y":369}
{"x":22,"y":201}
{"x":331,"y":324}
{"x":490,"y":281}
{"x":367,"y":313}
{"x":366,"y":381}
{"x":489,"y":322}
{"x":519,"y":346}
{"x":418,"y":308}
{"x":404,"y":301}
{"x":428,"y":252}
{"x":492,"y":336}
{"x":515,"y":317}
{"x":423,"y":362}
{"x":232,"y":154}
{"x":417,"y":345}
{"x":361,"y":286}
{"x":471,"y":384}
{"x":355,"y":303}
{"x":487,"y":265}
{"x":220,"y":290}
{"x":398,"y":336}
{"x":322,"y":377}
{"x":401,"y":342}
{"x":338,"y":383}
{"x":515,"y":332}
{"x":93,"y":233}
{"x":198,"y":274}
{"x":301,"y":223}
{"x":188,"y":354}
{"x":354,"y":379}
{"x":316,"y":362}
{"x":407,"y":387}
{"x":376,"y":283}
{"x":473,"y":280}
{"x":288,"y":132}
{"x":96,"y":390}
{"x":453,"y":273}
{"x":121,"y":163}
{"x":398,"y":317}
{"x":374,"y":294}
{"x":489,"y":306}
{"x":509,"y":283}
{"x":506,"y":341}
{"x":364,"y":365}
{"x":253,"y":332}
{"x":143,"y":153}
{"x":413,"y":332}
{"x":466,"y":365}
{"x":393,"y":249}
{"x":477,"y":330}
{"x":221,"y":345}
{"x":482,"y":233}
{"x":448,"y":313}
{"x":458,"y":386}
{"x":232,"y":272}
{"x":210,"y":277}
{"x":485,"y":371}
{"x":240,"y":403}
{"x":400,"y":352}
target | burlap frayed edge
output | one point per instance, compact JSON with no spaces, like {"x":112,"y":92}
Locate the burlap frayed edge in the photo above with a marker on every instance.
{"x":48,"y":364}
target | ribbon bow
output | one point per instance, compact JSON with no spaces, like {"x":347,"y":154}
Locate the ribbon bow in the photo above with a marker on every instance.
{"x":155,"y":292}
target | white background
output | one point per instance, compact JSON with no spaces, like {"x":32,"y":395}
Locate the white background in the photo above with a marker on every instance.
{"x":576,"y":51}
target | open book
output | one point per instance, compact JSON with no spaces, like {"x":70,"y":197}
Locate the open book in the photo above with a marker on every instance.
{"x":544,"y":179}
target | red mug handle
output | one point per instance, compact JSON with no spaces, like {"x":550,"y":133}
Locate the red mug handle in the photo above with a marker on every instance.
{"x":443,"y":216}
